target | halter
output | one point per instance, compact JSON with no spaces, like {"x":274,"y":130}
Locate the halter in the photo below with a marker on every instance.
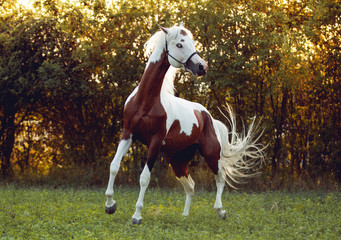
{"x":183,"y":63}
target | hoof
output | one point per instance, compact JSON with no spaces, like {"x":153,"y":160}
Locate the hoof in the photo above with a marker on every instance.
{"x":111,"y":210}
{"x":222,"y":214}
{"x":136,"y":222}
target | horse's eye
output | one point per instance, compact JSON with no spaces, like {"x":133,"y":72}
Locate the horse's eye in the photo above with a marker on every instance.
{"x":179,"y":45}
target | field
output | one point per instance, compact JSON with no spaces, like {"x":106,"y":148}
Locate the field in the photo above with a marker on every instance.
{"x":69,"y":213}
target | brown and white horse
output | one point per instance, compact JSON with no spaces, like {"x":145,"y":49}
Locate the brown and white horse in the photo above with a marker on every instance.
{"x":180,"y":128}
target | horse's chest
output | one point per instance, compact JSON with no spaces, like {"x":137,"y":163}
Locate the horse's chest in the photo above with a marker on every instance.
{"x":145,"y":122}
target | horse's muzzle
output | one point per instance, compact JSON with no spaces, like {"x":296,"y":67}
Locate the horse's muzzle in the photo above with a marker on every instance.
{"x":201,"y":69}
{"x":197,"y":69}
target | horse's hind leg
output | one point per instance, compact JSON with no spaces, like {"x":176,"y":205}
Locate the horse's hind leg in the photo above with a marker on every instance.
{"x":220,"y":182}
{"x":123,"y":147}
{"x":188,"y":184}
{"x":218,"y":206}
{"x":179,"y":163}
{"x":210,"y":149}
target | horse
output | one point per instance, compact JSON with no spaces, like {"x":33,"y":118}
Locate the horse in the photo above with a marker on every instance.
{"x":177,"y":127}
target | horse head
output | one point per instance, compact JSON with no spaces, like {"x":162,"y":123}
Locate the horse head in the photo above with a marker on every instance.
{"x":181,"y":50}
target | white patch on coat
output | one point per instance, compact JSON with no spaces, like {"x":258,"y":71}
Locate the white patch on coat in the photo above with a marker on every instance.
{"x":181,"y":110}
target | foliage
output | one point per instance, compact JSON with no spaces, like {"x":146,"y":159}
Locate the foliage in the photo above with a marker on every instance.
{"x":37,"y":213}
{"x":67,"y":67}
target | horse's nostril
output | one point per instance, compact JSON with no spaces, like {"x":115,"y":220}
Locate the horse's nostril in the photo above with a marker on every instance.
{"x":201,"y":67}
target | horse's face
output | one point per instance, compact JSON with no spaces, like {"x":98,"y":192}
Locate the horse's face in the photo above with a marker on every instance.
{"x":181,"y":51}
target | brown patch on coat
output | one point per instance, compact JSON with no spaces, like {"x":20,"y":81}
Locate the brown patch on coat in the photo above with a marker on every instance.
{"x":183,"y":33}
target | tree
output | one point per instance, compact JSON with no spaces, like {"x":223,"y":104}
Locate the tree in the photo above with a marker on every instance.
{"x":75,"y":66}
{"x":24,"y":47}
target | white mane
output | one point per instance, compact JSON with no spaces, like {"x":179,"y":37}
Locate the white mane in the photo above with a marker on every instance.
{"x":154,"y":42}
{"x":154,"y":48}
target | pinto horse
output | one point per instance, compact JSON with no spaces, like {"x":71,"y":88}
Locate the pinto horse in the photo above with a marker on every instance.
{"x":177,"y":127}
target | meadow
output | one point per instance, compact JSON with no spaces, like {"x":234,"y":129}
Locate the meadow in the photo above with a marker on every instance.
{"x":68,"y":213}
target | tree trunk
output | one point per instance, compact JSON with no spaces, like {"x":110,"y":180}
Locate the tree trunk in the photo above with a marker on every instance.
{"x":279,"y":123}
{"x":6,"y":145}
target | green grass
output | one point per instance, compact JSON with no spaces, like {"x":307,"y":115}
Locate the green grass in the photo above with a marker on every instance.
{"x":46,"y":213}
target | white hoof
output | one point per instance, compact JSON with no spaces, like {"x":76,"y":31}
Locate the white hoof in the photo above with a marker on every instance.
{"x":221,"y":213}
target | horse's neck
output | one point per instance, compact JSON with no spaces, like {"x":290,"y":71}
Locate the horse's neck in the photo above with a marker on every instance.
{"x":152,"y":79}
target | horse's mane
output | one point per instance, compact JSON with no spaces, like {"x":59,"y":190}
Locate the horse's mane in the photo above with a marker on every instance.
{"x":154,"y":48}
{"x":154,"y":42}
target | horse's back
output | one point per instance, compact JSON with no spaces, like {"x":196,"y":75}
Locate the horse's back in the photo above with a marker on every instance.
{"x":183,"y":111}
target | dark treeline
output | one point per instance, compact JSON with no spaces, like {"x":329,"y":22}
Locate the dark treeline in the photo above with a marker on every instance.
{"x":66,"y":69}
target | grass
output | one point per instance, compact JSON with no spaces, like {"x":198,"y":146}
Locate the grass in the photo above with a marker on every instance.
{"x":69,"y":213}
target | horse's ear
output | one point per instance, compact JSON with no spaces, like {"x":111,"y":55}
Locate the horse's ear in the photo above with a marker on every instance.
{"x":181,"y":24}
{"x":165,"y":30}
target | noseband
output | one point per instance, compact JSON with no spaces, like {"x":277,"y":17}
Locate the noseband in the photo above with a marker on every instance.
{"x":183,"y":63}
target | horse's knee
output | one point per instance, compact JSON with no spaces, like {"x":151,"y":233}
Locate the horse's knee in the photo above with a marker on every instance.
{"x":190,"y":192}
{"x":188,"y":184}
{"x":144,"y":181}
{"x":219,"y":178}
{"x":145,"y":177}
{"x":114,"y":168}
{"x":190,"y":189}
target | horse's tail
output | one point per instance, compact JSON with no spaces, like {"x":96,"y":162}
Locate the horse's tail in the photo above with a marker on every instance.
{"x":241,"y":153}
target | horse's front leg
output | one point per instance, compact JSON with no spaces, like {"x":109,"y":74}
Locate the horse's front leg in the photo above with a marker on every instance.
{"x":123,"y":147}
{"x":153,"y":152}
{"x":144,"y":182}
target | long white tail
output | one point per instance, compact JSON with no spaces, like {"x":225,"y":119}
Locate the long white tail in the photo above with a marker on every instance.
{"x":241,"y":153}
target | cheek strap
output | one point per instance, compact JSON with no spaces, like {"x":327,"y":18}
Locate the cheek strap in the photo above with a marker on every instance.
{"x":182,"y":63}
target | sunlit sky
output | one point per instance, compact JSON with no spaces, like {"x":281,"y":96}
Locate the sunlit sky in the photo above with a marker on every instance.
{"x":29,"y":3}
{"x":25,"y":3}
